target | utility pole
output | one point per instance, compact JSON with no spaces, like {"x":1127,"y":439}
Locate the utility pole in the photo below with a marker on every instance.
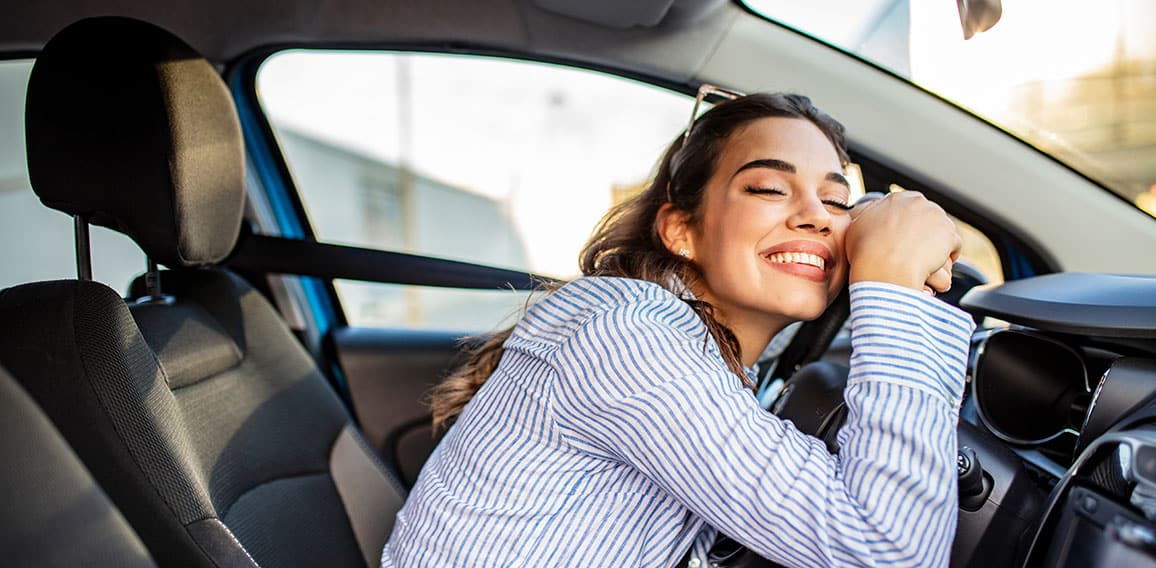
{"x":406,"y":181}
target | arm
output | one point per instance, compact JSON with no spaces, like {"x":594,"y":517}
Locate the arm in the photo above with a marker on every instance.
{"x":636,"y":386}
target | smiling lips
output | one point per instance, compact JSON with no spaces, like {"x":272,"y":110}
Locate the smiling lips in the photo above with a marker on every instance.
{"x":798,"y":258}
{"x":806,"y":259}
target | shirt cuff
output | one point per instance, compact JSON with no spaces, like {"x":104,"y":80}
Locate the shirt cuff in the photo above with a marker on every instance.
{"x":907,"y":337}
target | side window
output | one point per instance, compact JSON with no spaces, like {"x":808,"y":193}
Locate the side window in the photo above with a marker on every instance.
{"x":36,"y":243}
{"x":491,"y":161}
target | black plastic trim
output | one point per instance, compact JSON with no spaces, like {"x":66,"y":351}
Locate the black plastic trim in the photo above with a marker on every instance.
{"x":1100,"y":305}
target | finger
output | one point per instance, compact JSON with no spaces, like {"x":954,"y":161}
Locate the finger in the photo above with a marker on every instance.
{"x":859,"y":209}
{"x":940,"y":280}
{"x":956,"y":249}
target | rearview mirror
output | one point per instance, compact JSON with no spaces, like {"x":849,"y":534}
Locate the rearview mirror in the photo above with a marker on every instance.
{"x":978,"y":15}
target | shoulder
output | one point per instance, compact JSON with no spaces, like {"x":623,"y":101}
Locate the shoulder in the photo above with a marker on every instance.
{"x":616,"y":306}
{"x":639,"y":339}
{"x":609,"y":291}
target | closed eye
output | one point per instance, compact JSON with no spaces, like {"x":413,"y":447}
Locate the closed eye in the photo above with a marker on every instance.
{"x":764,"y":190}
{"x":840,"y":205}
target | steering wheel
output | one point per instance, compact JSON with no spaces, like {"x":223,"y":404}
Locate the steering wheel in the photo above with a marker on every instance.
{"x":814,"y":403}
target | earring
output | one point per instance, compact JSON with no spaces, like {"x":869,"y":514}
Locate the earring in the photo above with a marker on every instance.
{"x":685,"y":253}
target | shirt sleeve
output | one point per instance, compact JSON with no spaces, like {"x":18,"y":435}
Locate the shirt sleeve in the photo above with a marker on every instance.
{"x":637,"y":385}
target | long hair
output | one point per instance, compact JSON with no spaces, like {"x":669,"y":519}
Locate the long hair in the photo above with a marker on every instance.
{"x":627,"y":243}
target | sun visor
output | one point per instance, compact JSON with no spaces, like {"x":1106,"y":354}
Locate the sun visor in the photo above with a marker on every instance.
{"x":635,"y":14}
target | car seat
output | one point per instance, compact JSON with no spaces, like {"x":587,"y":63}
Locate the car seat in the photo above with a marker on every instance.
{"x":194,"y":406}
{"x":54,"y":512}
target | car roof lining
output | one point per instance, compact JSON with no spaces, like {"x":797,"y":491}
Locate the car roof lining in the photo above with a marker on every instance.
{"x":670,"y":46}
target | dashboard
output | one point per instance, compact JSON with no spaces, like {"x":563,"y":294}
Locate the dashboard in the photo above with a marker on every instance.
{"x":1068,"y":386}
{"x":1057,"y":430}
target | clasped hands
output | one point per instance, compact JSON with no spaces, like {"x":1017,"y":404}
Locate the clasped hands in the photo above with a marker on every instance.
{"x":902,"y":239}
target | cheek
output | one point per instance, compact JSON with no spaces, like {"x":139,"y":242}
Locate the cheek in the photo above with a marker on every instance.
{"x":839,"y":227}
{"x":728,"y":231}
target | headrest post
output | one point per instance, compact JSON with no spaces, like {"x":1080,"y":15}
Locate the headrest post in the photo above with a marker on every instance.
{"x":153,"y":294}
{"x":83,"y":250}
{"x":153,"y":280}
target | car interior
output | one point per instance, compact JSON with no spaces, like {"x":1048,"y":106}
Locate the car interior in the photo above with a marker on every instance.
{"x":228,"y":405}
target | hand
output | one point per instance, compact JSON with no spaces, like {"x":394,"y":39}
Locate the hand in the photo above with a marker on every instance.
{"x":902,"y":239}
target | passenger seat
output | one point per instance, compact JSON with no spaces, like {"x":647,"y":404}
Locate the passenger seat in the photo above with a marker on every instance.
{"x":195,"y":407}
{"x":54,"y":512}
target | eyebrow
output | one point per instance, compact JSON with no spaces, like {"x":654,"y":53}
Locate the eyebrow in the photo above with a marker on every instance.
{"x":790,"y":168}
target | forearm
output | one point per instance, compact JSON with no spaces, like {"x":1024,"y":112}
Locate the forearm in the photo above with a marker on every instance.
{"x":690,"y":427}
{"x":899,"y":444}
{"x":889,"y":497}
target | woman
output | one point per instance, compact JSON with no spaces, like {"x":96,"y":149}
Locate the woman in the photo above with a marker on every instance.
{"x":615,"y":424}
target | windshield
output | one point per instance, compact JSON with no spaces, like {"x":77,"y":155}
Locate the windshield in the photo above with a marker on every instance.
{"x":1074,"y":78}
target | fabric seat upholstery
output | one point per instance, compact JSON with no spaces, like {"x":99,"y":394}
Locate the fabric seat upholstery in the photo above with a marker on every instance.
{"x":202,"y":416}
{"x":54,"y":512}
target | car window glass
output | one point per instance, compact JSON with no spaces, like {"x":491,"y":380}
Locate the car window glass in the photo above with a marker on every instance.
{"x":492,"y":161}
{"x":38,"y":242}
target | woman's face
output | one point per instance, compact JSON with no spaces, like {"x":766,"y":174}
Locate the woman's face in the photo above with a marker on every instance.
{"x":769,"y":234}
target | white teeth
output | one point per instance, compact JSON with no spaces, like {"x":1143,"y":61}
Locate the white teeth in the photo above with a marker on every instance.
{"x":798,"y":258}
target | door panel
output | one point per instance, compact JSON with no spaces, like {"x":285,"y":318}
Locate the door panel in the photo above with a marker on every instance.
{"x":389,"y":373}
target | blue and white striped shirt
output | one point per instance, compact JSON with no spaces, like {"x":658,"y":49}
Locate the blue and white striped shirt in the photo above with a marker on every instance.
{"x":612,"y":433}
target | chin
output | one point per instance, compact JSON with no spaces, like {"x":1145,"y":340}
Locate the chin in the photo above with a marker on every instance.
{"x":805,"y":315}
{"x":803,"y":308}
{"x":809,"y":306}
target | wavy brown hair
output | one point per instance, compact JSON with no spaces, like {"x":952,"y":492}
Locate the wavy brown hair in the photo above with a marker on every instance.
{"x":627,"y":243}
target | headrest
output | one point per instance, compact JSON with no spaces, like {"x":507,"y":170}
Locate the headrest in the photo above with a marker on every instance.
{"x":130,"y":127}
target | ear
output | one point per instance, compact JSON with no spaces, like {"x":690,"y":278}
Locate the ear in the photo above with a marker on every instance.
{"x":675,"y":229}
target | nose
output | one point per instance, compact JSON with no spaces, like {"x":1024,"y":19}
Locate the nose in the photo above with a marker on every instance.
{"x":810,"y":214}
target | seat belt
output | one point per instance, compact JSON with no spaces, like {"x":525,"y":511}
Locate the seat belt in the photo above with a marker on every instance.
{"x":280,"y":255}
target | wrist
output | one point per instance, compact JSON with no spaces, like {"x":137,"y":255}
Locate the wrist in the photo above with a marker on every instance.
{"x":867,"y":274}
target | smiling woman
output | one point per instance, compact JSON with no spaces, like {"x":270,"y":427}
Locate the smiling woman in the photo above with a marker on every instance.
{"x":625,"y":395}
{"x":801,"y":193}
